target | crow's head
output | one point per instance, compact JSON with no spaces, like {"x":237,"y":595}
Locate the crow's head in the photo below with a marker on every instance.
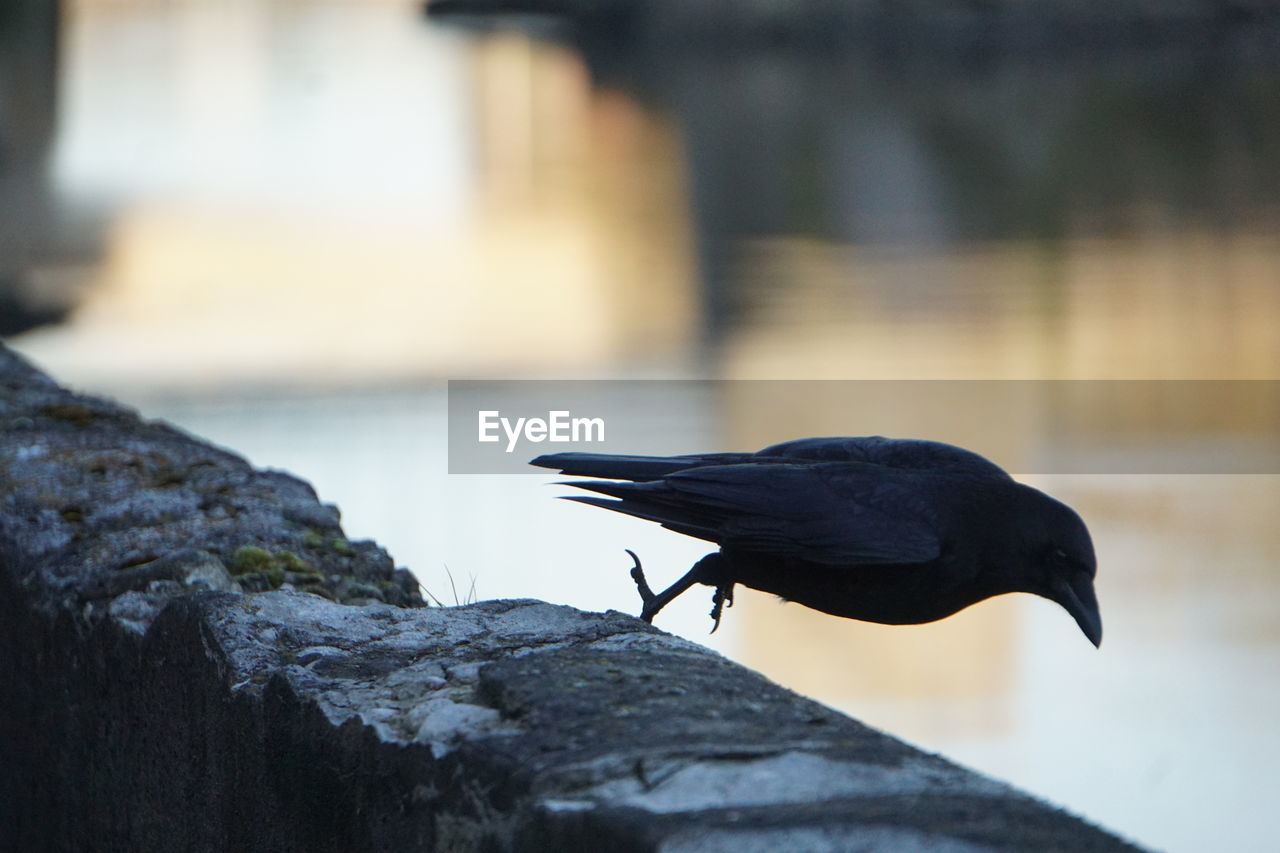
{"x":1057,"y":557}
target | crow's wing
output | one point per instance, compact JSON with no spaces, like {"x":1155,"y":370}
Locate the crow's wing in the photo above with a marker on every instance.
{"x":634,"y":468}
{"x":908,"y":454}
{"x":836,"y":514}
{"x":904,"y":453}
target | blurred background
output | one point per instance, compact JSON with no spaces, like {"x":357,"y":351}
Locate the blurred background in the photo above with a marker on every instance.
{"x":284,"y":225}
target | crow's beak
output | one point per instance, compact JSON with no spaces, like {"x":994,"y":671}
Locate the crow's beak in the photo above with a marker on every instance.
{"x":1078,"y":598}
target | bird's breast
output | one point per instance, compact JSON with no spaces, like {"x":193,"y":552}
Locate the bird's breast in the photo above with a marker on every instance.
{"x":898,"y":594}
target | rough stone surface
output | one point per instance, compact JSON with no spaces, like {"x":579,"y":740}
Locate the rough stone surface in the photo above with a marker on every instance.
{"x":99,"y":503}
{"x":149,"y":702}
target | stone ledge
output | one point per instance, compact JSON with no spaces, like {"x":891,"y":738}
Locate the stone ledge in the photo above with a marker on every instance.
{"x":171,"y":711}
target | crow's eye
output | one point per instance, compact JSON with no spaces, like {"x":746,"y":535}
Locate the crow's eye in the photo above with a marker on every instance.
{"x":1061,"y":561}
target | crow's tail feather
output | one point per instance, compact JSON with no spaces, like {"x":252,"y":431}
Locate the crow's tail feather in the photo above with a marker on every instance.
{"x":637,"y":469}
{"x":648,"y":513}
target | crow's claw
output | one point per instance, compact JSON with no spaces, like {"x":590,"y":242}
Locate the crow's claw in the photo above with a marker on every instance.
{"x":637,"y":575}
{"x":647,"y":612}
{"x":655,"y":602}
{"x":720,"y":598}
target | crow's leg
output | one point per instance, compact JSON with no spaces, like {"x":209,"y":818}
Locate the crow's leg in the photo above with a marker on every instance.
{"x":703,"y":571}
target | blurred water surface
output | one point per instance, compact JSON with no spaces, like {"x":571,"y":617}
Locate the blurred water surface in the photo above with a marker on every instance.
{"x":283,"y":225}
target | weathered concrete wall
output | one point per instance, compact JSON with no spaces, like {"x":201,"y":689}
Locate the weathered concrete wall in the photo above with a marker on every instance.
{"x":149,"y":702}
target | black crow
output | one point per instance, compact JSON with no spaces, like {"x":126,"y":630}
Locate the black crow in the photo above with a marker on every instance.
{"x":883,"y":530}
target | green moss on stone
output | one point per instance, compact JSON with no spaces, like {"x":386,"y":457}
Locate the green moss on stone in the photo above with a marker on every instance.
{"x":252,"y":564}
{"x":81,"y":416}
{"x":291,"y":562}
{"x":250,"y":560}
